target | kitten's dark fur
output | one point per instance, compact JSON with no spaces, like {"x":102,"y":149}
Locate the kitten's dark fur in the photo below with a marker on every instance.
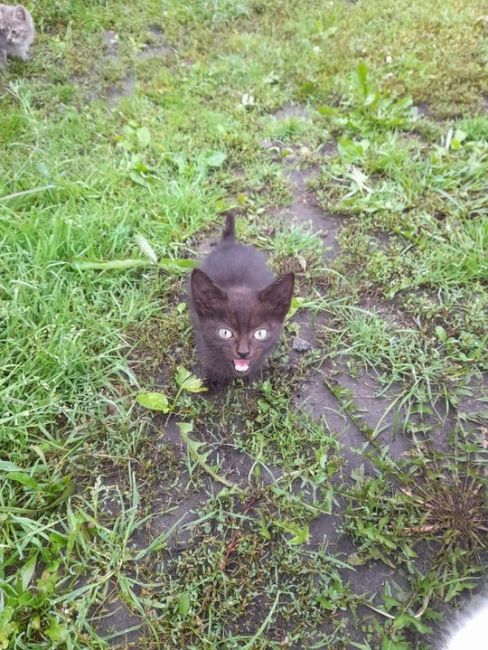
{"x":234,"y":295}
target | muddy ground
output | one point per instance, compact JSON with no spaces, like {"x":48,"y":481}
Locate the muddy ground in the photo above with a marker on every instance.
{"x":367,"y":424}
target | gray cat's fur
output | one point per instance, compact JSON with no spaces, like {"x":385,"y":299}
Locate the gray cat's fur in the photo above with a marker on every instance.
{"x":16,"y":32}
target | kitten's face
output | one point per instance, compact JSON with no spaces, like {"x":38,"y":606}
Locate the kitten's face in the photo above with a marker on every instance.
{"x":240,"y":326}
{"x":14,"y":27}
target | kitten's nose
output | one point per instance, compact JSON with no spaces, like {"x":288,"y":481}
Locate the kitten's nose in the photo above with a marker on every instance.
{"x":242,"y":355}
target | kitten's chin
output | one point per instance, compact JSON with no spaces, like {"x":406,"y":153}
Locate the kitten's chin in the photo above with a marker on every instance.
{"x":241,"y":366}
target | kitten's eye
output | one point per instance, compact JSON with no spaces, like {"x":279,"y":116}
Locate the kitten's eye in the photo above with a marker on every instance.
{"x":225,"y":333}
{"x":260,"y":335}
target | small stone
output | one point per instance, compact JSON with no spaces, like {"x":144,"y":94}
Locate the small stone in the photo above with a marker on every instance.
{"x":301,"y":345}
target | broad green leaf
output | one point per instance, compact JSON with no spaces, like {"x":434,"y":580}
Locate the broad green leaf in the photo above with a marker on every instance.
{"x":301,"y":536}
{"x":137,"y":178}
{"x":192,"y":445}
{"x":359,"y":178}
{"x":187,"y":381}
{"x":153,"y":401}
{"x":184,"y":603}
{"x":6,"y":466}
{"x":143,"y":137}
{"x":458,"y":586}
{"x":185,"y":428}
{"x":24,"y":479}
{"x":352,"y":150}
{"x":456,"y":142}
{"x":35,"y":622}
{"x":7,"y":627}
{"x":406,"y":620}
{"x":326,"y":602}
{"x":46,"y":584}
{"x":216,"y":158}
{"x":56,"y":631}
{"x":6,"y":616}
{"x":27,"y":571}
{"x":441,"y":333}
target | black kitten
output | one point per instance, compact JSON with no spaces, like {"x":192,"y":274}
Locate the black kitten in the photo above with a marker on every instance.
{"x":238,"y":308}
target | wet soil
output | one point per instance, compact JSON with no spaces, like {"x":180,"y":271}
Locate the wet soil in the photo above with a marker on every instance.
{"x":155,"y":46}
{"x":118,"y":625}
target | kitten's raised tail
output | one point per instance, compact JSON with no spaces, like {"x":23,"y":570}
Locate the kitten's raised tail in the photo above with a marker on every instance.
{"x":229,"y":233}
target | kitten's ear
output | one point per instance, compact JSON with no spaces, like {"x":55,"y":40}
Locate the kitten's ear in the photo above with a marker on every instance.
{"x":207,"y":297}
{"x":20,"y":12}
{"x":277,"y":296}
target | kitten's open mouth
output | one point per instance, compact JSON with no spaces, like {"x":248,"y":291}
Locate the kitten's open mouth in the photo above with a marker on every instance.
{"x":241,"y":365}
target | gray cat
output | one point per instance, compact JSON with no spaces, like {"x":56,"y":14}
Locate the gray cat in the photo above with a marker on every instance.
{"x":16,"y":32}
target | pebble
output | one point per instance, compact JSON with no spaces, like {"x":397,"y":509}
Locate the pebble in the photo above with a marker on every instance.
{"x":301,"y":345}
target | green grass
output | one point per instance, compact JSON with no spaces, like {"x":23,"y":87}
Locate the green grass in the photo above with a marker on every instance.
{"x":87,"y":171}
